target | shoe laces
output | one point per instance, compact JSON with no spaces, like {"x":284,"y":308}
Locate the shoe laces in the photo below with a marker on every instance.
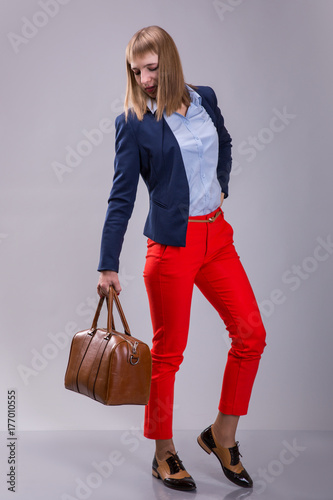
{"x":175,"y":464}
{"x":235,"y":454}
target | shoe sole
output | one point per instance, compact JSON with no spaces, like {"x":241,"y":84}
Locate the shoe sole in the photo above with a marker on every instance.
{"x":156,"y":474}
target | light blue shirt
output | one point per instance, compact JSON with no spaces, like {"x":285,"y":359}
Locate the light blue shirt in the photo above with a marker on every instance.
{"x":198,"y":141}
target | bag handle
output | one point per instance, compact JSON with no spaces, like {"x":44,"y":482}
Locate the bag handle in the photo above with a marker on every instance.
{"x":113,"y":297}
{"x":110,"y":322}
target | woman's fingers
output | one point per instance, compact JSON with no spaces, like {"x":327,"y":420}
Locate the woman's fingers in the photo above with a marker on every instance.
{"x":107,"y":279}
{"x":117,"y":286}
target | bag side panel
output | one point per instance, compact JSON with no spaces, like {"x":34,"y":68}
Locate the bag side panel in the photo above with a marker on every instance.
{"x":80,"y":344}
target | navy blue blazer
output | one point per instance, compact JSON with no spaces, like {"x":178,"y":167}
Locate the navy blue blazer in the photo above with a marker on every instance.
{"x":149,"y":148}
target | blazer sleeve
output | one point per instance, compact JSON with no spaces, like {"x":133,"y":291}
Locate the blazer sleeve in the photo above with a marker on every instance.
{"x":122,"y":196}
{"x":224,"y":159}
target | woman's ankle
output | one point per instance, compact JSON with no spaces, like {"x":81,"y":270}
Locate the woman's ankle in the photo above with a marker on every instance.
{"x":223,"y":440}
{"x":163,"y":446}
{"x":224,"y":429}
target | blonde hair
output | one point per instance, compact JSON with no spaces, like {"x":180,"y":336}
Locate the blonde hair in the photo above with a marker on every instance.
{"x":171,"y":89}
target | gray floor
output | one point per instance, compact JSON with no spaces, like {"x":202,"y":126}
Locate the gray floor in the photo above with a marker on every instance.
{"x":111,"y":465}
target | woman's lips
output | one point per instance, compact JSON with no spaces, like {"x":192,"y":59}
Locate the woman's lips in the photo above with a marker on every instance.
{"x":150,"y":89}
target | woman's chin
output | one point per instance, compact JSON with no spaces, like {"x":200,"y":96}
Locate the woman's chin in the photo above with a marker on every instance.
{"x":152,"y":94}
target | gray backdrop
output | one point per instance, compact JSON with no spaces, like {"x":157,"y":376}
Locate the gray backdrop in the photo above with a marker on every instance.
{"x":63,"y":79}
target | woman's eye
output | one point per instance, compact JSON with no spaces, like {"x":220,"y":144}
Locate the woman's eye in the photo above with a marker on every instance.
{"x":138,"y":72}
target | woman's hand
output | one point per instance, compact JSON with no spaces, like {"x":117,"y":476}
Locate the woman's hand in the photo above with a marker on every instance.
{"x":222,"y":198}
{"x":106,"y":279}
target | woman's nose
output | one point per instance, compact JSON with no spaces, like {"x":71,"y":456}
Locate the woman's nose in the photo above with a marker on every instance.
{"x":145,"y":77}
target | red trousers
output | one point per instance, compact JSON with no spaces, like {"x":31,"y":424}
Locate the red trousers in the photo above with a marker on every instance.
{"x":210,"y":261}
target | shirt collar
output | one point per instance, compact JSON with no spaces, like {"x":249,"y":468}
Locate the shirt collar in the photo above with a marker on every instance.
{"x":194,"y":96}
{"x":152,"y":105}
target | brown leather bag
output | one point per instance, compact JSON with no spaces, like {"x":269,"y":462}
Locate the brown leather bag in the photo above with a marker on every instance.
{"x":111,"y":367}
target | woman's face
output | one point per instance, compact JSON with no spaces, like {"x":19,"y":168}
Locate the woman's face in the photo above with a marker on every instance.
{"x":145,"y":69}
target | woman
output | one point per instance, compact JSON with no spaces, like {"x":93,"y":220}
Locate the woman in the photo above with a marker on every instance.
{"x":174,"y":137}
